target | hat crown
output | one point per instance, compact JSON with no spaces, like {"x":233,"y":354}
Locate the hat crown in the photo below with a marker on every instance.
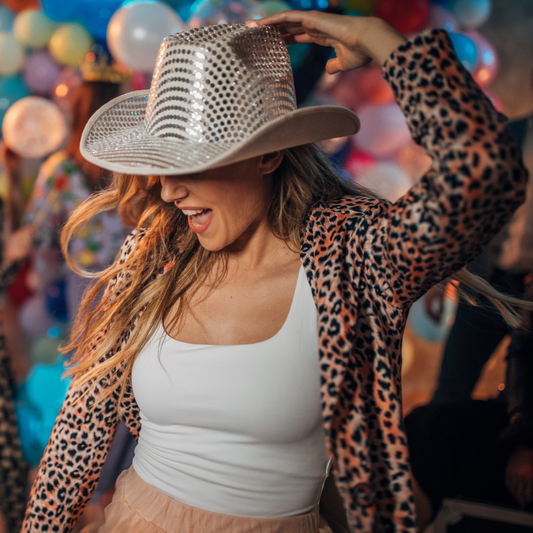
{"x":219,"y":83}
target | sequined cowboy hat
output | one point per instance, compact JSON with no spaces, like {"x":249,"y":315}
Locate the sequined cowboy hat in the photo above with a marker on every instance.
{"x":219,"y":94}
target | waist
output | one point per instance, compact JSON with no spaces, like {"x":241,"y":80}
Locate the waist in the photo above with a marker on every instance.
{"x":144,"y":501}
{"x":233,"y":474}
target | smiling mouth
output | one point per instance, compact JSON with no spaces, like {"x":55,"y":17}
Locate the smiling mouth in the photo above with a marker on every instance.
{"x":197,"y":217}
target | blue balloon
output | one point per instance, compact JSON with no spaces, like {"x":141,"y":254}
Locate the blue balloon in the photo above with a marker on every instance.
{"x":59,"y":10}
{"x":95,"y":15}
{"x":56,"y":300}
{"x":465,"y":49}
{"x":12,"y":88}
{"x":182,"y":8}
{"x":6,"y":18}
{"x":38,"y":403}
{"x":306,"y":5}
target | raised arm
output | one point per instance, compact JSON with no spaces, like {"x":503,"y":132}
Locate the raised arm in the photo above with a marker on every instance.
{"x":82,"y":435}
{"x":477,"y":178}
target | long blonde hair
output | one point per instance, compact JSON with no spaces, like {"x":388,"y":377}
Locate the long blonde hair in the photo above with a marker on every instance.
{"x":169,"y":246}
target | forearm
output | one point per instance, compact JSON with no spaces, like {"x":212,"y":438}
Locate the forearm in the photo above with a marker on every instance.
{"x":70,"y":468}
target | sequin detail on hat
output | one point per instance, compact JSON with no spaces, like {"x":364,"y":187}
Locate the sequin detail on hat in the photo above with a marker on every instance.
{"x":211,"y":89}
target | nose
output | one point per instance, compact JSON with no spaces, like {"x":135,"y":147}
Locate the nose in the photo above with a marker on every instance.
{"x":173,"y":189}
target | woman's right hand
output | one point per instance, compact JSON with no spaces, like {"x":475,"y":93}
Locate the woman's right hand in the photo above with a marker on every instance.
{"x":356,"y":40}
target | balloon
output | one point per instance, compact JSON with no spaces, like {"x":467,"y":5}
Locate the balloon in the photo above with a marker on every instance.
{"x":38,"y":403}
{"x":59,"y":10}
{"x":465,"y":49}
{"x":33,"y":127}
{"x":309,"y":4}
{"x":41,"y":72}
{"x":407,"y":17}
{"x":342,"y":87}
{"x":383,"y":130}
{"x":95,"y":16}
{"x":56,"y":300}
{"x":471,"y":13}
{"x":486,"y":66}
{"x":386,"y":179}
{"x":366,"y":7}
{"x":136,"y":30}
{"x":11,"y":89}
{"x":33,"y":28}
{"x":70,"y":43}
{"x":6,"y":19}
{"x":34,"y":317}
{"x":358,"y":163}
{"x":64,"y":88}
{"x":19,"y":5}
{"x":11,"y":55}
{"x":373,"y":87}
{"x":271,"y":7}
{"x":207,"y":12}
{"x":182,"y":7}
{"x":442,"y":18}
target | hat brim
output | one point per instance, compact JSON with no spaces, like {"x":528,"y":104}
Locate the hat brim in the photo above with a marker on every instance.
{"x":130,"y":149}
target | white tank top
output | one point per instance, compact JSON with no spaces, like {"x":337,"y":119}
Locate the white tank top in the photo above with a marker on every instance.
{"x":238,"y":429}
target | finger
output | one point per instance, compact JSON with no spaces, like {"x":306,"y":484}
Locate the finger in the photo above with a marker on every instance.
{"x":288,"y":16}
{"x":333,"y":66}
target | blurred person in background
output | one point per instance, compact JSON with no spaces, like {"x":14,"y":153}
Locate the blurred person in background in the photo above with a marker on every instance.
{"x":478,"y":449}
{"x":15,"y":246}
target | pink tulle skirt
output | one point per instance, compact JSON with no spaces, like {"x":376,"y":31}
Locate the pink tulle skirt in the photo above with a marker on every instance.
{"x":137,"y":507}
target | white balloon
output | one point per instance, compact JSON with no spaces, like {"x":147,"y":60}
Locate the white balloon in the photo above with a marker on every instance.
{"x":136,"y":30}
{"x":34,"y":127}
{"x":388,"y":180}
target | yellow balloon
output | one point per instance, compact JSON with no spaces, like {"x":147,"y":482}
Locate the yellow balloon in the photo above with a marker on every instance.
{"x":70,"y":43}
{"x":33,"y":28}
{"x":11,"y":55}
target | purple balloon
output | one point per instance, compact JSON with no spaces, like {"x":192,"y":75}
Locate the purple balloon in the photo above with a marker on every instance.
{"x":41,"y":72}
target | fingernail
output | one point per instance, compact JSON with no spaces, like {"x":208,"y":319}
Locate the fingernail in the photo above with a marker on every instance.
{"x":251,"y":23}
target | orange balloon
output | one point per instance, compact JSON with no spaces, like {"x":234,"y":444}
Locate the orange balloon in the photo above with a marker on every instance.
{"x":373,"y":87}
{"x":19,"y":5}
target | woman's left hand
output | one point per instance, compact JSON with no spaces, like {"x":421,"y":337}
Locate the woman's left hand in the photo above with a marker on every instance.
{"x":356,"y":40}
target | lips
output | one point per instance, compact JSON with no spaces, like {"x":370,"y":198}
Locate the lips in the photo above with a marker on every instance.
{"x":199,"y":219}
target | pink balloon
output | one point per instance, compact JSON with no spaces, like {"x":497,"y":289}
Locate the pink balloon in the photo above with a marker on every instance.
{"x":41,"y":72}
{"x":383,"y":130}
{"x":487,"y":63}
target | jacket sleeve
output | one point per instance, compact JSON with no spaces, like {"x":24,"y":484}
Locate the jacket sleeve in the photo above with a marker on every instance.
{"x":475,"y":182}
{"x":76,"y":451}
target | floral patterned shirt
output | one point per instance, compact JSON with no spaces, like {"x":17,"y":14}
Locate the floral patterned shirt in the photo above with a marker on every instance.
{"x":59,"y":189}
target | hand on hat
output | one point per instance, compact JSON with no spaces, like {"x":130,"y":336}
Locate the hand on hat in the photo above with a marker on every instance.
{"x":356,"y":40}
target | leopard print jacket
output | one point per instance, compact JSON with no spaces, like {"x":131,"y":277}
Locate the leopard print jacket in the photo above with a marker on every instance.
{"x":367,"y":261}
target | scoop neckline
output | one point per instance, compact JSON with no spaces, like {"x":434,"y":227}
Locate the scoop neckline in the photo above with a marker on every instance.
{"x":301,"y":274}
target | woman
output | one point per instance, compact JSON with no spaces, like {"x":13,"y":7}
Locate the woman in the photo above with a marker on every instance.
{"x":256,"y":273}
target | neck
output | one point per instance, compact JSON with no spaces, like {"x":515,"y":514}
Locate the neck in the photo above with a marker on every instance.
{"x":259,"y":250}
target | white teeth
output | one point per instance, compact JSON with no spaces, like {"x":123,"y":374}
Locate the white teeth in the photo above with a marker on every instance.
{"x":189,"y":212}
